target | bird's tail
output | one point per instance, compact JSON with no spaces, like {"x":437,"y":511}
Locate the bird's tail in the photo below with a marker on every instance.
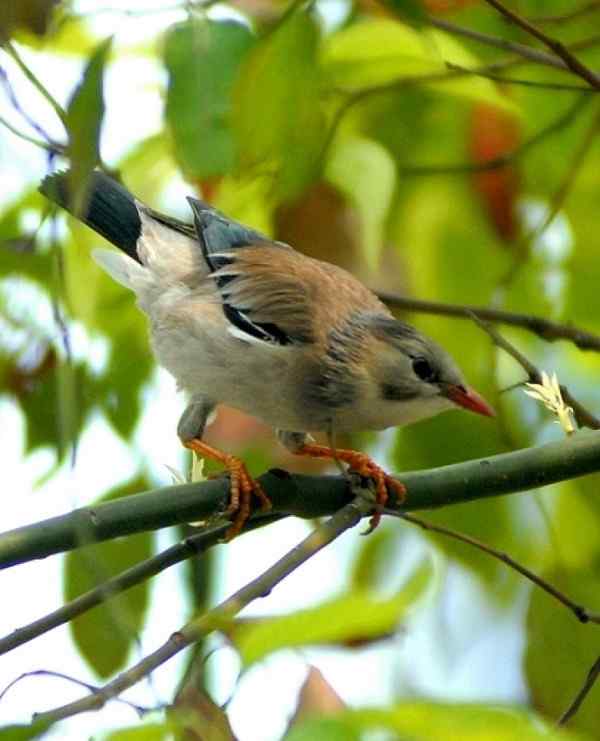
{"x":108,"y":208}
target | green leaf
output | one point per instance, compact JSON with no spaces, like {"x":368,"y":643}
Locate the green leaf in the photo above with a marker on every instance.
{"x":374,"y":52}
{"x":365,"y":172}
{"x":382,"y":51}
{"x":203,"y":59}
{"x":358,"y":615}
{"x":24,"y":732}
{"x":427,"y":721}
{"x":278,"y":121}
{"x":106,"y":307}
{"x":560,"y":650}
{"x":144,"y":732}
{"x":105,"y":634}
{"x":148,"y":167}
{"x":324,"y":729}
{"x":32,"y":263}
{"x":414,"y":10}
{"x":450,"y":51}
{"x":54,"y":407}
{"x":372,"y":564}
{"x":118,"y":391}
{"x":85,"y":112}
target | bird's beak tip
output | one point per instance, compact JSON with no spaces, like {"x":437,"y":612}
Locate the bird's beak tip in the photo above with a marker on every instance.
{"x":469,"y":399}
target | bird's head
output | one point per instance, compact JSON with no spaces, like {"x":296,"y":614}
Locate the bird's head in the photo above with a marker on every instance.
{"x":413,"y":371}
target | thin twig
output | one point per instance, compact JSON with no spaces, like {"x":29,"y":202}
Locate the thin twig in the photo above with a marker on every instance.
{"x":221,"y":615}
{"x":580,"y":612}
{"x":571,"y":15}
{"x":584,"y":417}
{"x":544,"y":328}
{"x":191,"y":546}
{"x":12,"y":96}
{"x":559,"y":123}
{"x":561,"y":51}
{"x":48,"y":146}
{"x":10,"y":49}
{"x":543,"y":85}
{"x":522,"y":50}
{"x":60,"y":675}
{"x":590,"y":680}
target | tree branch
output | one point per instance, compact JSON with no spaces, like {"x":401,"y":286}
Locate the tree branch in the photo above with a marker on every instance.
{"x":348,"y":516}
{"x":553,"y":44}
{"x":522,"y":50}
{"x":304,"y":496}
{"x":543,"y":85}
{"x":190,"y":546}
{"x":544,"y":328}
{"x":60,"y":675}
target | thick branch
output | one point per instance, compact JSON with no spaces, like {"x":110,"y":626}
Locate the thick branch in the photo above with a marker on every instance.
{"x":304,"y":496}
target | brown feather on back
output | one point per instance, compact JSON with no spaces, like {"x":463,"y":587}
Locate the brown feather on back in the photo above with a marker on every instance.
{"x":301,"y":296}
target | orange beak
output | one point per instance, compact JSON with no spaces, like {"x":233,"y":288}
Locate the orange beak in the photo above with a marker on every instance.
{"x":469,"y":399}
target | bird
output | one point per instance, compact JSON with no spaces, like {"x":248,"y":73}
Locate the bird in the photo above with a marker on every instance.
{"x":241,"y":319}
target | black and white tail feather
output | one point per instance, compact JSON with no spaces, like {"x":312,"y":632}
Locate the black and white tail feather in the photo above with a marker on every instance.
{"x":159,"y":252}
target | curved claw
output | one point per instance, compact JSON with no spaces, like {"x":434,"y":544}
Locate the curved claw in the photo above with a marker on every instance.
{"x":242,"y":486}
{"x":366,"y":467}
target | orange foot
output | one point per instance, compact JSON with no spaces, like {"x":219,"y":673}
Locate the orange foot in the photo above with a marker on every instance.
{"x":242,"y":486}
{"x":364,"y":466}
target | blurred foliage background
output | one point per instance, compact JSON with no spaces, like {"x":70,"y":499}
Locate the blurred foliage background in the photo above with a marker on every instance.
{"x":380,"y":136}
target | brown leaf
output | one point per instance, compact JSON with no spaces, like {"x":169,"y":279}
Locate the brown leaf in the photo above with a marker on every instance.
{"x":321,"y":225}
{"x":495,"y":134}
{"x":199,"y":718}
{"x":32,"y":369}
{"x":316,"y":697}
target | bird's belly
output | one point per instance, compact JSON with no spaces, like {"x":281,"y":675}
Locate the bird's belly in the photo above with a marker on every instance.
{"x":255,"y":379}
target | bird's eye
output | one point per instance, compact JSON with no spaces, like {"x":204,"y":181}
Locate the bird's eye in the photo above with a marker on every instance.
{"x":424,"y":370}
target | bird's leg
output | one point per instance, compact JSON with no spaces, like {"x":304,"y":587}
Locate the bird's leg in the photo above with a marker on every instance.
{"x":242,"y":486}
{"x":359,"y":462}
